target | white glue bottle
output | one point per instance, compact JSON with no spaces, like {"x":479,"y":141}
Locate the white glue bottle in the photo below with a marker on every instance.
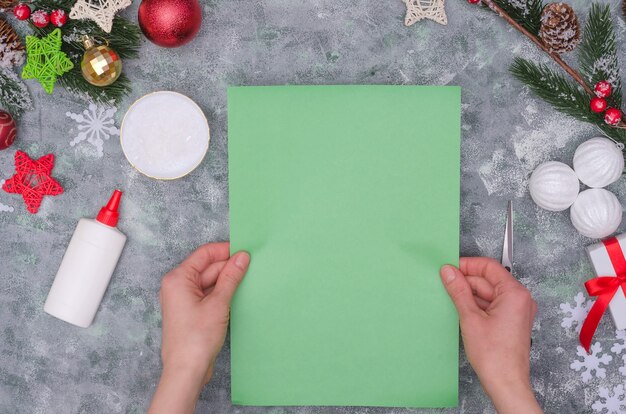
{"x":87,"y":267}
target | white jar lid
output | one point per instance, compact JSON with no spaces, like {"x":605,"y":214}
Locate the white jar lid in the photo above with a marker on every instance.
{"x":164,"y":135}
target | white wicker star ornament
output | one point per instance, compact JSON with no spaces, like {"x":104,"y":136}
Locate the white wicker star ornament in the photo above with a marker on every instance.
{"x":417,"y":10}
{"x":100,"y":11}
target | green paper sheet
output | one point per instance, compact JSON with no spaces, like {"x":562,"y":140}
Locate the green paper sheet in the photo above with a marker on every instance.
{"x":347,"y":198}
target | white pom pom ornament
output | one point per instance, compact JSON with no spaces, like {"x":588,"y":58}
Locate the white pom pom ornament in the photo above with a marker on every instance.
{"x":596,"y":213}
{"x":598,"y":162}
{"x":554,"y":186}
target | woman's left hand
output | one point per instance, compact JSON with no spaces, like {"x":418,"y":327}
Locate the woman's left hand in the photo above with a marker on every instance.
{"x":195,"y":304}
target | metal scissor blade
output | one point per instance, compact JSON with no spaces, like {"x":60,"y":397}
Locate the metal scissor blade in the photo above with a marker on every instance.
{"x":507,"y":247}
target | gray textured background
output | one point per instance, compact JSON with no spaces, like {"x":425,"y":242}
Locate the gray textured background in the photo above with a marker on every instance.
{"x":48,"y":366}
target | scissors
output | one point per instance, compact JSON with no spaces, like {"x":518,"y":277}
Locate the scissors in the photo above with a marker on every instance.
{"x":507,"y":247}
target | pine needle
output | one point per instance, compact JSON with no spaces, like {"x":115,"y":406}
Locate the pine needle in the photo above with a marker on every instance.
{"x":598,"y":52}
{"x":525,"y":12}
{"x":14,"y":96}
{"x":564,"y":95}
{"x":124,"y":39}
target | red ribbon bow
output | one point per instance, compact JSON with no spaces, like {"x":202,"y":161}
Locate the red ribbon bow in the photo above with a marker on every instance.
{"x":604,"y":287}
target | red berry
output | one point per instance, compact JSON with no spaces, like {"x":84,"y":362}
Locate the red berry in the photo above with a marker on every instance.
{"x":473,"y":1}
{"x":598,"y":105}
{"x":612,"y":116}
{"x":603,"y":89}
{"x":21,"y":11}
{"x":40,"y":18}
{"x":58,"y":17}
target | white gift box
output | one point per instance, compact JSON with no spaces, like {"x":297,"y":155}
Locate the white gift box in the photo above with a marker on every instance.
{"x":603,"y":267}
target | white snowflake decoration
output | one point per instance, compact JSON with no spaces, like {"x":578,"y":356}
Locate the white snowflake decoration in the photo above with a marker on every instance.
{"x":622,"y":369}
{"x":575,"y":315}
{"x":100,"y":11}
{"x":95,"y":125}
{"x":417,"y":10}
{"x":591,"y":362}
{"x":610,"y":403}
{"x":618,"y":346}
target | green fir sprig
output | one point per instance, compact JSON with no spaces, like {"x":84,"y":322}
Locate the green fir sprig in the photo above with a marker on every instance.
{"x":597,"y":52}
{"x":554,"y":88}
{"x":14,"y":96}
{"x":124,"y":39}
{"x":597,"y":61}
{"x":525,"y":12}
{"x":564,"y":95}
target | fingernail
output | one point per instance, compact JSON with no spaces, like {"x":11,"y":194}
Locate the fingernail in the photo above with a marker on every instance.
{"x":242,"y":259}
{"x":448,"y":273}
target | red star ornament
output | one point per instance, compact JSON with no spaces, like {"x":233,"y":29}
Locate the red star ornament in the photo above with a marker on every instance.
{"x":32,"y":180}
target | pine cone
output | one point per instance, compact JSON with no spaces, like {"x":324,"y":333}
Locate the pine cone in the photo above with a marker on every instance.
{"x":560,"y":30}
{"x":7,"y":4}
{"x":11,"y":46}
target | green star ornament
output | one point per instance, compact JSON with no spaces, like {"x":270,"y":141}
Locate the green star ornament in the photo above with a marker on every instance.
{"x":45,"y":61}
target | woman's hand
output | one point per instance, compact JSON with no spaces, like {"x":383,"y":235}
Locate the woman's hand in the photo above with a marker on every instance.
{"x":195,"y":304}
{"x":496,"y":314}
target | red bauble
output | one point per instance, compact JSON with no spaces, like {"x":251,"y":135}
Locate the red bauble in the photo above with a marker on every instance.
{"x":8,"y":130}
{"x":21,"y":11}
{"x":40,"y":18}
{"x":58,"y":17}
{"x":170,"y":23}
{"x":473,"y":1}
{"x":598,"y":105}
{"x":612,"y":116}
{"x":603,"y":89}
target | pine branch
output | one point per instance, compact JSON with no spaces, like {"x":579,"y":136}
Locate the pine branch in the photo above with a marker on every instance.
{"x":562,"y":94}
{"x":535,"y":39}
{"x":554,"y":88}
{"x":14,"y":96}
{"x":598,"y":51}
{"x":493,"y":5}
{"x":525,"y":12}
{"x":74,"y":82}
{"x":50,"y":5}
{"x":124,"y":39}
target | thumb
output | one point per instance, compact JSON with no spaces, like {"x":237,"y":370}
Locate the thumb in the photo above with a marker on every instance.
{"x":459,"y":290}
{"x":231,"y":276}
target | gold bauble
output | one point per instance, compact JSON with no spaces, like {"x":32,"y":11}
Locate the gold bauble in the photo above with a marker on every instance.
{"x":101,"y":66}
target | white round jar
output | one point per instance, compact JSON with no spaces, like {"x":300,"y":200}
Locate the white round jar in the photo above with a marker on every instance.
{"x":164,"y":135}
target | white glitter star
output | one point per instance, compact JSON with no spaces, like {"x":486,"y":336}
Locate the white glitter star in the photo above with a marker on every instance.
{"x":100,"y":11}
{"x":417,"y":10}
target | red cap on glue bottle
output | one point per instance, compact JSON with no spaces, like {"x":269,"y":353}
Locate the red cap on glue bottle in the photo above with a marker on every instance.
{"x":109,"y":214}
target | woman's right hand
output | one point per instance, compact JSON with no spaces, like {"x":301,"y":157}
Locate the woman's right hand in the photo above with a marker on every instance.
{"x":496,"y":314}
